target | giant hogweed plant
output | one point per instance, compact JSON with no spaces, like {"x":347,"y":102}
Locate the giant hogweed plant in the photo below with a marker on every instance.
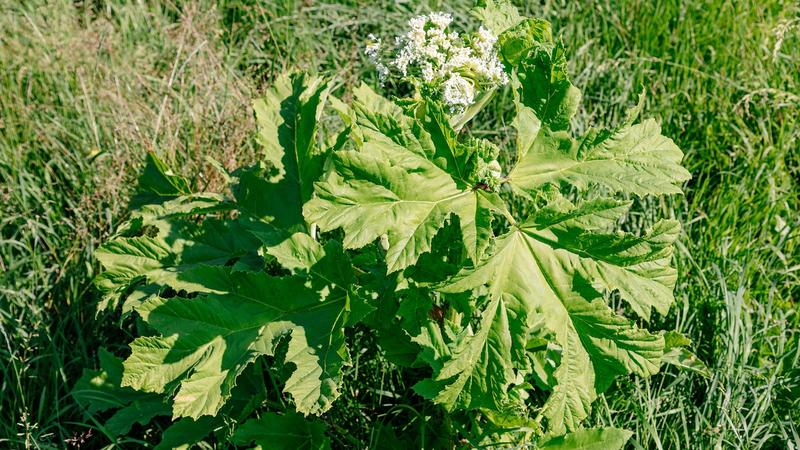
{"x":496,"y":282}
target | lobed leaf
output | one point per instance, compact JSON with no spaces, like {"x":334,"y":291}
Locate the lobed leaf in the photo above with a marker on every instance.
{"x":479,"y":370}
{"x":497,"y":15}
{"x":166,"y":248}
{"x":548,"y":269}
{"x":634,"y":159}
{"x":402,"y":185}
{"x":101,"y":390}
{"x":589,"y":439}
{"x":287,"y":118}
{"x":207,"y":341}
{"x":158,"y":183}
{"x":283,"y":432}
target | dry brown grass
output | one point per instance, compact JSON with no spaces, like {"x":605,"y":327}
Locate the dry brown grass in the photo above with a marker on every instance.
{"x":83,"y":96}
{"x":137,"y":86}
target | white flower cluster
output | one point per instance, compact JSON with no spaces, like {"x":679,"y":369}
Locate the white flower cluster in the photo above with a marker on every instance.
{"x":442,"y":61}
{"x":373,"y":52}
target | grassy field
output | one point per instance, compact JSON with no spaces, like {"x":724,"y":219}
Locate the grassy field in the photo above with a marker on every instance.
{"x":86,"y":88}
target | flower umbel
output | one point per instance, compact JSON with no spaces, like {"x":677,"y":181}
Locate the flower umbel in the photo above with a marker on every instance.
{"x":442,"y":63}
{"x":373,"y":52}
{"x":458,"y":92}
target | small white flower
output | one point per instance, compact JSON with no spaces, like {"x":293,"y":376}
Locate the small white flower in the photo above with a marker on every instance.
{"x":494,"y":169}
{"x":440,"y":20}
{"x":485,"y":42}
{"x":383,"y":72}
{"x":373,"y":48}
{"x":427,"y":72}
{"x":418,"y":23}
{"x":404,"y":58}
{"x":458,"y":92}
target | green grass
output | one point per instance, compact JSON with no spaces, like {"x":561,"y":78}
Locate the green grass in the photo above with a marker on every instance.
{"x":82,"y":97}
{"x":85,"y":91}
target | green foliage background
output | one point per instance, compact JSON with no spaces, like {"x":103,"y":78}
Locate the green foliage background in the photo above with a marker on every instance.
{"x":86,"y":88}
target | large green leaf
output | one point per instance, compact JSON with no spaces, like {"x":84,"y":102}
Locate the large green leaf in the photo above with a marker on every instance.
{"x":497,"y":15}
{"x":634,"y":159}
{"x":637,"y":266}
{"x":101,"y":390}
{"x":161,"y":248}
{"x":552,"y":268}
{"x":539,"y":74}
{"x":589,"y":439}
{"x":479,"y":370}
{"x":542,"y":84}
{"x":163,"y":237}
{"x":207,"y":341}
{"x":283,"y":432}
{"x":401,"y":184}
{"x":287,"y":118}
{"x":183,"y":434}
{"x":158,"y":183}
